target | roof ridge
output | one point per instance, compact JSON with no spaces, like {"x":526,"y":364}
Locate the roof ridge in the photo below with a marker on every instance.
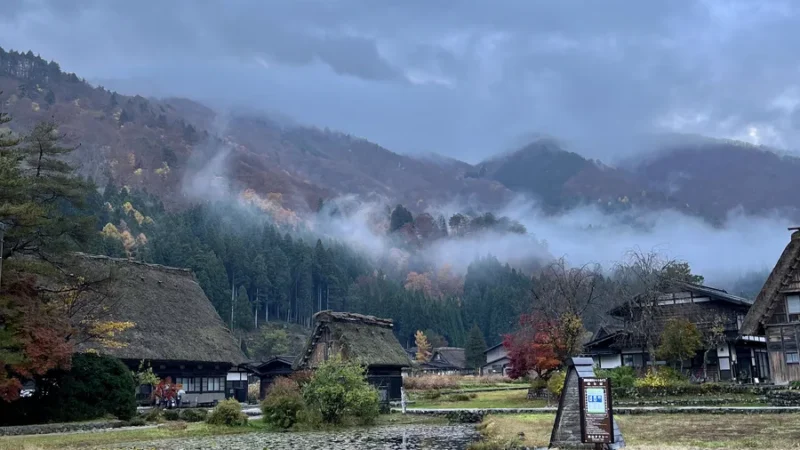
{"x":160,"y":267}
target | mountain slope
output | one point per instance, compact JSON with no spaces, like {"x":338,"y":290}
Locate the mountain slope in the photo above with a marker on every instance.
{"x":183,"y":151}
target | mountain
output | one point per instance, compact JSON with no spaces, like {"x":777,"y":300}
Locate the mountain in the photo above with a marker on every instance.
{"x":177,"y":148}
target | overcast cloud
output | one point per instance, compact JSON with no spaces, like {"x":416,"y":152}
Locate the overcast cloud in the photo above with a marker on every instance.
{"x":462,"y":78}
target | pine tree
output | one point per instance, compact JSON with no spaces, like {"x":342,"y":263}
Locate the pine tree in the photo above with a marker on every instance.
{"x":41,"y":201}
{"x":476,"y":346}
{"x":50,"y":97}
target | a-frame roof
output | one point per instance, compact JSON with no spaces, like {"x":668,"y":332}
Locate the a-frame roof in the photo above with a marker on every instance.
{"x":779,"y":277}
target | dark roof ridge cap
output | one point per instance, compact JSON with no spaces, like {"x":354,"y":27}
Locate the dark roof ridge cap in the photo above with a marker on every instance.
{"x":159,"y":267}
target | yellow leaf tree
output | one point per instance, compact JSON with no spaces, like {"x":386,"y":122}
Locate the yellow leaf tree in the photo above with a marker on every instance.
{"x":423,"y":346}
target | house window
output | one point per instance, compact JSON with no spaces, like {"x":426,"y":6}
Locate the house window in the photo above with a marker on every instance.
{"x":793,"y":307}
{"x":198,"y":384}
{"x":632,"y":360}
{"x":213,"y":384}
{"x":189,"y":384}
{"x":792,"y":358}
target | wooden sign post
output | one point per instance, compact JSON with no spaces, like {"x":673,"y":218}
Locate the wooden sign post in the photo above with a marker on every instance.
{"x":585,"y":417}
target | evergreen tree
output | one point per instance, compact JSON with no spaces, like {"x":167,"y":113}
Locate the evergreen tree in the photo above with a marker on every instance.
{"x":400,"y":216}
{"x":50,"y":97}
{"x":41,"y":201}
{"x":243,"y":311}
{"x":476,"y":346}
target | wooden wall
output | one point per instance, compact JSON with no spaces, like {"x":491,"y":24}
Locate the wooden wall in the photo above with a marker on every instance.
{"x":782,"y":339}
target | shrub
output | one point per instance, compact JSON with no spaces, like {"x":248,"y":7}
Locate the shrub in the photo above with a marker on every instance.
{"x":172,"y":414}
{"x":282,"y":403}
{"x":154,"y":415}
{"x":194,"y":415}
{"x":302,"y":377}
{"x":458,"y":398}
{"x":338,"y":390}
{"x":431,"y":395}
{"x":228,"y":413}
{"x":94,"y":387}
{"x":431,"y":382}
{"x":135,"y":422}
{"x":538,"y":383}
{"x":663,"y":377}
{"x":623,"y":376}
{"x":253,"y":391}
{"x":555,"y":385}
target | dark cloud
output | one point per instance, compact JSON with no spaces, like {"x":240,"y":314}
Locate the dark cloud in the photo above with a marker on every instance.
{"x":463,"y":78}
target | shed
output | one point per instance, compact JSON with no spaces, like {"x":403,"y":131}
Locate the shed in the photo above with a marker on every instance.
{"x":269,"y":370}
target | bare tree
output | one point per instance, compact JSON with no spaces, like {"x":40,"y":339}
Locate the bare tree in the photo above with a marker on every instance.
{"x":641,"y":281}
{"x":565,"y":296}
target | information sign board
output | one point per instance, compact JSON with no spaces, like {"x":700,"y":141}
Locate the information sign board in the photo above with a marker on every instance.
{"x":596,"y":414}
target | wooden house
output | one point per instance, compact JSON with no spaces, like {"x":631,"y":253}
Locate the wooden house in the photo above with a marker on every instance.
{"x":776,"y":314}
{"x":446,"y":361}
{"x":497,"y":361}
{"x":269,"y":370}
{"x":176,"y":329}
{"x":736,"y":355}
{"x":367,"y":339}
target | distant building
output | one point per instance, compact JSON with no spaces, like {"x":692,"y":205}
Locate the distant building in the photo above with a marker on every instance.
{"x":776,"y":314}
{"x":367,"y":339}
{"x":177,"y":330}
{"x":738,"y":356}
{"x":446,"y":361}
{"x":497,"y":361}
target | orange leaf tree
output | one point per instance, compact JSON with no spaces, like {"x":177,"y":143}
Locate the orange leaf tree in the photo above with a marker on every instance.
{"x":535,"y":348}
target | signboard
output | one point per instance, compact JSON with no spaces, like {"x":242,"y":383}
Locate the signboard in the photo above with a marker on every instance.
{"x":595,"y":407}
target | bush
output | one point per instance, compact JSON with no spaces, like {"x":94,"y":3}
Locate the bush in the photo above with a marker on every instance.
{"x":228,"y":413}
{"x":663,"y":377}
{"x":282,"y":403}
{"x":623,"y":376}
{"x":302,"y":377}
{"x":154,"y":415}
{"x":194,"y":415}
{"x":172,"y":414}
{"x":555,"y":385}
{"x":431,"y":395}
{"x":135,"y":422}
{"x":339,"y":390}
{"x":96,"y":386}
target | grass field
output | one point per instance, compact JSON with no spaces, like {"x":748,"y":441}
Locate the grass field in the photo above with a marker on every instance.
{"x":497,"y":399}
{"x":665,"y":431}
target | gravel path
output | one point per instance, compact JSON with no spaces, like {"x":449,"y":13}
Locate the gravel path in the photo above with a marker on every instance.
{"x":405,"y":437}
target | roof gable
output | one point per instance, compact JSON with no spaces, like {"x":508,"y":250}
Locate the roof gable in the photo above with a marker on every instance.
{"x":788,"y":264}
{"x":454,"y":356}
{"x":173,"y":318}
{"x":696,"y":291}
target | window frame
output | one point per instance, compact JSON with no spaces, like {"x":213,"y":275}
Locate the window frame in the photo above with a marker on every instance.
{"x":793,"y":316}
{"x":796,"y":359}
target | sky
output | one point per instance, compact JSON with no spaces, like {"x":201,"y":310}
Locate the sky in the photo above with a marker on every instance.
{"x":465,"y":79}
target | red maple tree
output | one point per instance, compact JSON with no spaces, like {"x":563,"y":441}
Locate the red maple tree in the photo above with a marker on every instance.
{"x":535,"y":347}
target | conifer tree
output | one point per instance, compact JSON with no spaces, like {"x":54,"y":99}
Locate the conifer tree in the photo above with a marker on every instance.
{"x":476,"y":346}
{"x":423,"y":347}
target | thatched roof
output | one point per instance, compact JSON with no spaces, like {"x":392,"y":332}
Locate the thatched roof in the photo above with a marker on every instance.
{"x":174,"y":320}
{"x":780,"y":276}
{"x":366,"y":338}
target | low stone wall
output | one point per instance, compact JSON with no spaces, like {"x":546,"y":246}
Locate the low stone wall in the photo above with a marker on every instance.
{"x":48,"y":428}
{"x":784,"y":398}
{"x":697,"y":401}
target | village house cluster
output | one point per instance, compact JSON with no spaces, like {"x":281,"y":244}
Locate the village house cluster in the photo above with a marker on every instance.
{"x":758,"y":341}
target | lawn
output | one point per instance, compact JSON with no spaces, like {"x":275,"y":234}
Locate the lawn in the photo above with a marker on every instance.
{"x":495,"y":399}
{"x":667,"y":431}
{"x":79,"y":440}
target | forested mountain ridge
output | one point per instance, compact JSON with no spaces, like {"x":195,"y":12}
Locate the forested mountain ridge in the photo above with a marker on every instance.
{"x":156,"y":144}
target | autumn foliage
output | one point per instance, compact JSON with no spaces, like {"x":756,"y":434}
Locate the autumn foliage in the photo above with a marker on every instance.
{"x":535,"y":348}
{"x":33,"y":339}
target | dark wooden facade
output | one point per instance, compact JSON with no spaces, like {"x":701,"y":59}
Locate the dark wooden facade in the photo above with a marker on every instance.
{"x":268,"y":371}
{"x":776,"y":314}
{"x":737,"y":357}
